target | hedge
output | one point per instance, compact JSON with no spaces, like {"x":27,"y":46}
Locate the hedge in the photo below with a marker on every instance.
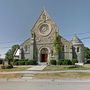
{"x":60,"y":62}
{"x":21,"y":62}
{"x":67,"y":62}
{"x":64,"y":62}
{"x":33,"y":62}
{"x":74,"y":61}
{"x":53,"y":62}
{"x":25,"y":62}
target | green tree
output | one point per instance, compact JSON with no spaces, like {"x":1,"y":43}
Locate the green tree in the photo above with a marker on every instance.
{"x":10,"y":53}
{"x":57,"y":46}
{"x":87,"y":52}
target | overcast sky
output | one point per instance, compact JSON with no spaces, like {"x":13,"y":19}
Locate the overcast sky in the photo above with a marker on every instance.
{"x":17,"y":18}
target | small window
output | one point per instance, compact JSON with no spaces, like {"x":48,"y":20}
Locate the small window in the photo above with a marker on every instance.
{"x":51,"y":52}
{"x":78,"y":49}
{"x":32,"y":35}
{"x":63,"y":48}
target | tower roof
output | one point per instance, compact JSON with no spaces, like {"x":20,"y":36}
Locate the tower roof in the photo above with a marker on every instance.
{"x":76,"y":40}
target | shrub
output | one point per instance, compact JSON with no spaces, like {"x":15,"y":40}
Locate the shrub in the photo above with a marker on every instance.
{"x":67,"y":62}
{"x":32,"y":62}
{"x":1,"y":61}
{"x":2,"y":67}
{"x":74,"y":61}
{"x":53,"y":62}
{"x":21,"y":62}
{"x":88,"y":62}
{"x":7,"y":67}
{"x":27,"y":62}
{"x":15,"y":60}
{"x":15,"y":63}
{"x":60,"y":62}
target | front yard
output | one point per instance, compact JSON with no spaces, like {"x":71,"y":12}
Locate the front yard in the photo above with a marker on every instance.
{"x":66,"y":67}
{"x":14,"y":69}
{"x":63,"y":75}
{"x":56,"y":75}
{"x":10,"y":76}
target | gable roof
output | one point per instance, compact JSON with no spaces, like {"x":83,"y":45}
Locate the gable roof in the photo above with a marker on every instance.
{"x":43,"y":16}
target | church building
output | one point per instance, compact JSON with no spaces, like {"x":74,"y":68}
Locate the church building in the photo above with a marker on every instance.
{"x":40,"y":46}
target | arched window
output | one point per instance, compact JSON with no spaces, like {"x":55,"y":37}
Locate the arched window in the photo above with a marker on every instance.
{"x":51,"y":52}
{"x":63,"y":48}
{"x":32,"y":35}
{"x":22,"y":53}
{"x":78,"y":50}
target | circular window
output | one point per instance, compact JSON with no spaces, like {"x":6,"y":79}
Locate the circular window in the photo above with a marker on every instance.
{"x":44,"y":29}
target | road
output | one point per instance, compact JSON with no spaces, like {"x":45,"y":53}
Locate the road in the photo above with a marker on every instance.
{"x":45,"y":85}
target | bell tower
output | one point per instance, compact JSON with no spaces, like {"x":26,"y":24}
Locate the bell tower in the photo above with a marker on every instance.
{"x":78,"y":49}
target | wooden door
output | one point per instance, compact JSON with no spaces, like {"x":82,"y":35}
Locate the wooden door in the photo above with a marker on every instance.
{"x":44,"y":57}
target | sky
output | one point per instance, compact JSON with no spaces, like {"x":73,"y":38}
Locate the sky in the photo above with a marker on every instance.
{"x":17,"y":18}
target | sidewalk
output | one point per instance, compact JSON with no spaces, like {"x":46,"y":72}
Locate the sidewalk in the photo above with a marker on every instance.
{"x":36,"y":72}
{"x":37,"y":68}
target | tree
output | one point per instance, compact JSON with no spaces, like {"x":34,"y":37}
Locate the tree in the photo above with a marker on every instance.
{"x":57,"y":46}
{"x":9,"y":55}
{"x":87,"y":52}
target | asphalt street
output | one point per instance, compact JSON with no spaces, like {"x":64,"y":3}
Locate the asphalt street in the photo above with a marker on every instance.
{"x":44,"y":85}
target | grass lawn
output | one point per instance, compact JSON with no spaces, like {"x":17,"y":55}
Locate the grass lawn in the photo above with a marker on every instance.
{"x":68,"y":67}
{"x":9,"y":76}
{"x":12,"y":75}
{"x":63,"y":75}
{"x":14,"y":69}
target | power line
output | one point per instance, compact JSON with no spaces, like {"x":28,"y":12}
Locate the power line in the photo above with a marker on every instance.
{"x":83,"y":33}
{"x":4,"y":47}
{"x":85,"y":38}
{"x":20,"y":41}
{"x":9,"y":42}
{"x":65,"y":35}
{"x":78,"y":33}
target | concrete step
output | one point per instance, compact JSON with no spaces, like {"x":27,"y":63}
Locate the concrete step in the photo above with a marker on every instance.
{"x":27,"y":78}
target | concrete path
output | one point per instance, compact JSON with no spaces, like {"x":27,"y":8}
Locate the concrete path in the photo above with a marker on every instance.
{"x":36,"y":72}
{"x":36,"y":68}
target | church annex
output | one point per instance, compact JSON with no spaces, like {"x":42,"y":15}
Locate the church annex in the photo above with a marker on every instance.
{"x":40,"y":46}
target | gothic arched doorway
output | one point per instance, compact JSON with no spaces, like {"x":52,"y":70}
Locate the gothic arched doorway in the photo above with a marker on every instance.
{"x":44,"y":55}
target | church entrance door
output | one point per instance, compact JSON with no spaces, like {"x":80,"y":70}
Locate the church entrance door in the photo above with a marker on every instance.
{"x":44,"y":54}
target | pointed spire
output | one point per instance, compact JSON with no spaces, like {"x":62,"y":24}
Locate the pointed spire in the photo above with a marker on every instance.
{"x":44,"y":14}
{"x":44,"y":9}
{"x":76,"y":40}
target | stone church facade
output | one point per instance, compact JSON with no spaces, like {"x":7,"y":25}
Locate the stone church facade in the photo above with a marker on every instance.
{"x":40,"y":46}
